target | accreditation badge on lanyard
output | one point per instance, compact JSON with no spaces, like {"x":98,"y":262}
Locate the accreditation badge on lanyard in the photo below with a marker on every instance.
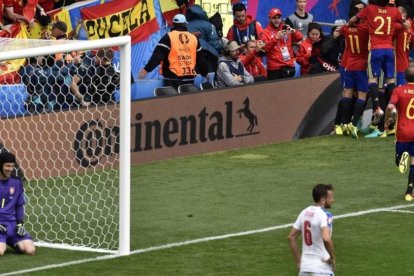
{"x":285,"y":53}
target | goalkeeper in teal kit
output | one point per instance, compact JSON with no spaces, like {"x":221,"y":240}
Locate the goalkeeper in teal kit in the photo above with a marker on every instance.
{"x":12,"y":231}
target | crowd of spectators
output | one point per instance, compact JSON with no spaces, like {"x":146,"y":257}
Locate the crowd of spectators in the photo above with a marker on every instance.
{"x":67,"y":80}
{"x":63,"y":80}
{"x":250,"y":53}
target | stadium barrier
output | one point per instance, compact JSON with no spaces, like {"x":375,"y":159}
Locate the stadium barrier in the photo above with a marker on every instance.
{"x":178,"y":126}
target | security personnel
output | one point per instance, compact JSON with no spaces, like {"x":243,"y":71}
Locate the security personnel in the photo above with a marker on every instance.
{"x":179,"y":53}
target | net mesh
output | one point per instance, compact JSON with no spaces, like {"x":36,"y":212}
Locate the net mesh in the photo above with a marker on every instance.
{"x":66,"y":144}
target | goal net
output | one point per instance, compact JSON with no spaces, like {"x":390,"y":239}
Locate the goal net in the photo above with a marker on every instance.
{"x":65,"y":114}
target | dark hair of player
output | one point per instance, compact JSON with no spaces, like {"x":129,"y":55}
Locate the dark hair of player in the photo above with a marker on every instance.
{"x":409,"y":74}
{"x":321,"y":190}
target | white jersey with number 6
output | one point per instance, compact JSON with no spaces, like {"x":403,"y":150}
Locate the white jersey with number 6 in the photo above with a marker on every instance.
{"x":314,"y":255}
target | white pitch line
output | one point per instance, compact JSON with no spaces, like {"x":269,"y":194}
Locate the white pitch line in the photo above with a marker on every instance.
{"x":401,"y":211}
{"x":213,"y":238}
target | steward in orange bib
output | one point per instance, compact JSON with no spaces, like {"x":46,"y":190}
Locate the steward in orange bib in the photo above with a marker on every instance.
{"x":179,"y":53}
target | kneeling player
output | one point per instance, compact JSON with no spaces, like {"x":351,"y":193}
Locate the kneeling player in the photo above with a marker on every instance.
{"x":12,"y":231}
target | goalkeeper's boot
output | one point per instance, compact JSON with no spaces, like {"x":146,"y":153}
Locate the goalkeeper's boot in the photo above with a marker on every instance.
{"x":353,"y":130}
{"x":377,"y":115}
{"x":409,"y":197}
{"x":338,"y":130}
{"x":369,"y":129}
{"x":403,"y":165}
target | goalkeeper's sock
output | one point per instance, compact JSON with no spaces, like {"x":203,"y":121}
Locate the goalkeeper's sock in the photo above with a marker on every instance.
{"x":410,"y":185}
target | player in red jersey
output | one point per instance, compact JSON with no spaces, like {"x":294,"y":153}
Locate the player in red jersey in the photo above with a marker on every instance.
{"x":355,"y":75}
{"x":402,"y":104}
{"x":403,"y":39}
{"x":382,"y":20}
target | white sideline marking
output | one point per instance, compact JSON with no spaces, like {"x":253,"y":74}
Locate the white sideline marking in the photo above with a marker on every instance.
{"x":213,"y":238}
{"x":401,"y":211}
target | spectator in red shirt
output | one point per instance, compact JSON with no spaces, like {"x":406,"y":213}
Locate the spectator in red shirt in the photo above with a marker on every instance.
{"x":13,"y":11}
{"x":279,"y":51}
{"x":46,"y":5}
{"x":402,"y":103}
{"x":252,"y":61}
{"x":2,"y":24}
{"x":244,"y":27}
{"x":307,"y":49}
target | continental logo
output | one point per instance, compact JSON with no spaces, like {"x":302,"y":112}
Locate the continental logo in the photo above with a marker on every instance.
{"x":94,"y":140}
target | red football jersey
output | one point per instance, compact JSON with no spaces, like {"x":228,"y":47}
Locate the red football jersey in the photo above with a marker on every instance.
{"x":1,"y":13}
{"x":16,"y":4}
{"x":356,"y":41}
{"x":381,"y":22}
{"x":403,"y":98}
{"x":403,"y":39}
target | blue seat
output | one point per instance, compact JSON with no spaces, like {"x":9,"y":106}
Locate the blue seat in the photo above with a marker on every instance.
{"x":141,"y":89}
{"x":199,"y":79}
{"x":186,"y":88}
{"x":165,"y":91}
{"x":12,"y":100}
{"x":297,"y":69}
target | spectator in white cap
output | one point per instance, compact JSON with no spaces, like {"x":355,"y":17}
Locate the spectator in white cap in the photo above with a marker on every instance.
{"x":179,"y":19}
{"x":180,"y":54}
{"x":230,"y":70}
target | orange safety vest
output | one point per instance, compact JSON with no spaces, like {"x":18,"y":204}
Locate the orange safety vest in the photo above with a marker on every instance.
{"x":183,"y":51}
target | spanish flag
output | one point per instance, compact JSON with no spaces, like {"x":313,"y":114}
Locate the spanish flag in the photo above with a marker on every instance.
{"x":121,"y":17}
{"x":37,"y":31}
{"x":9,"y":68}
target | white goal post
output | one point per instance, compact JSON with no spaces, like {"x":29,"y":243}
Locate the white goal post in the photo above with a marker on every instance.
{"x":66,"y":207}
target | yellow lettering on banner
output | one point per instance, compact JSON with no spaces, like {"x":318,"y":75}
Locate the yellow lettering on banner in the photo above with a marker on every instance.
{"x":120,"y":23}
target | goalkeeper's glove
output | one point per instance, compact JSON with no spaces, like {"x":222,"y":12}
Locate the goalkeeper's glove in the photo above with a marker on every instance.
{"x":20,"y":230}
{"x":3,"y":229}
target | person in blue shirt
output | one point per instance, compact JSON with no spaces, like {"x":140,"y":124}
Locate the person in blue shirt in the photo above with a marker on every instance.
{"x":12,"y":231}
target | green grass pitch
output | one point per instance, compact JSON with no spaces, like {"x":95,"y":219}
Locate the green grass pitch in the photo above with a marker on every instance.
{"x":234,"y":191}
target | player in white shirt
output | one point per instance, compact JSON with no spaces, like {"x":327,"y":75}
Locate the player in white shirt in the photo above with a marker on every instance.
{"x":315,"y":225}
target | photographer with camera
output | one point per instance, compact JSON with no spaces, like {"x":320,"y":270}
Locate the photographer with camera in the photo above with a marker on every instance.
{"x":252,"y":60}
{"x":278,"y":38}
